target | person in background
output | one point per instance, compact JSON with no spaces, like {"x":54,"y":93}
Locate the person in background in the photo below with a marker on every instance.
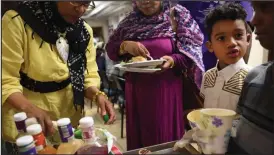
{"x":199,"y":10}
{"x":48,"y":65}
{"x":228,"y":39}
{"x":100,"y":56}
{"x":255,"y":131}
{"x":154,"y":101}
{"x":111,"y":70}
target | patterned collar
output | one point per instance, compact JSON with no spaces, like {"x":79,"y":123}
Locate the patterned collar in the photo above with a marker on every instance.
{"x":232,"y":69}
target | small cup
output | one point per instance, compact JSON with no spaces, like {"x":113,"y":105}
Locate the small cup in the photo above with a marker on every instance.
{"x":216,"y":121}
{"x":193,"y":117}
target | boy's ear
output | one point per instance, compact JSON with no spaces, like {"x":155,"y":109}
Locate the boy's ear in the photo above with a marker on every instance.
{"x":248,"y":38}
{"x":209,"y":46}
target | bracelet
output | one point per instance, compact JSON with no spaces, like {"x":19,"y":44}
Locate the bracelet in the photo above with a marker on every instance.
{"x":172,"y":64}
{"x":97,"y":94}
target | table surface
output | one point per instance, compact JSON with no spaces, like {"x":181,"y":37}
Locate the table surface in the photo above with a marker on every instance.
{"x":166,"y":148}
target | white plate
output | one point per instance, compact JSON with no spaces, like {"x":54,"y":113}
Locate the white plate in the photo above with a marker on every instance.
{"x":145,"y":63}
{"x":137,"y":70}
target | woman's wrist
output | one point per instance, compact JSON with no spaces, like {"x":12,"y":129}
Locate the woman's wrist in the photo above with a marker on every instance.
{"x":172,"y":63}
{"x":97,"y":95}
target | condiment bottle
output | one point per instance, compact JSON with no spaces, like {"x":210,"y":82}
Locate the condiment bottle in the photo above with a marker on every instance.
{"x":88,"y":133}
{"x":40,"y":140}
{"x":26,"y":145}
{"x":31,"y":121}
{"x":19,"y":119}
{"x":69,"y":144}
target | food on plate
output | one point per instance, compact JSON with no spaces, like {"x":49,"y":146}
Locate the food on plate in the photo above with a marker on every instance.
{"x":134,"y":59}
{"x":138,"y":59}
{"x":140,"y":62}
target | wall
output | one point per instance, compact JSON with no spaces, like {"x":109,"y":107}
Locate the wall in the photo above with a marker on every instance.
{"x":114,"y":20}
{"x":258,"y":54}
{"x":100,"y":23}
{"x":111,"y":21}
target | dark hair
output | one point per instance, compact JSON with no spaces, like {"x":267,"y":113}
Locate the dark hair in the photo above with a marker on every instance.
{"x":227,"y":11}
{"x":250,"y":27}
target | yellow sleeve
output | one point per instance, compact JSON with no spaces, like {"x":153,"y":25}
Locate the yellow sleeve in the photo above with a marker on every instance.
{"x":92,"y":77}
{"x":12,"y":53}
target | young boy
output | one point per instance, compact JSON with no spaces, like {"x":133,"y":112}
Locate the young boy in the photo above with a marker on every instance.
{"x":229,"y":40}
{"x":255,"y":134}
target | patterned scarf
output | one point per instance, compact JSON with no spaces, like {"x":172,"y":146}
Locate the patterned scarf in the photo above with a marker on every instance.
{"x":44,"y":19}
{"x":188,"y":39}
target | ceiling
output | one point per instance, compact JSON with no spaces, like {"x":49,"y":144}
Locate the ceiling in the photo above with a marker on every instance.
{"x":104,"y":9}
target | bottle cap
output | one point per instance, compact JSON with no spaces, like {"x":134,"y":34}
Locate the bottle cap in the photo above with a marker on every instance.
{"x":86,"y":122}
{"x":106,"y":118}
{"x":78,"y":134}
{"x":20,"y":116}
{"x":31,"y":121}
{"x":63,"y":122}
{"x":24,"y":140}
{"x":34,"y":129}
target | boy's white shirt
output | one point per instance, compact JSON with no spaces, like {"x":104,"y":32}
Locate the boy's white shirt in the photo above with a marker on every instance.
{"x":222,"y":88}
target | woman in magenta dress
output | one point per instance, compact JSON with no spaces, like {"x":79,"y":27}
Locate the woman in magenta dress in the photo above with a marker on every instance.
{"x":154,"y":101}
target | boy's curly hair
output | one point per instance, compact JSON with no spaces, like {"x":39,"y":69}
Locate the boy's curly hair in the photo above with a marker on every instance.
{"x":227,"y":11}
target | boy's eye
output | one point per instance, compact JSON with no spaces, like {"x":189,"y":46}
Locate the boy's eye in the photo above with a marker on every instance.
{"x":221,"y":38}
{"x":239,"y":35}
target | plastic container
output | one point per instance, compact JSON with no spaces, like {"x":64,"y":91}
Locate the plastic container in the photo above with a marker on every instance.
{"x":26,"y":145}
{"x":31,"y":121}
{"x":19,"y":119}
{"x":40,"y":140}
{"x":69,"y":144}
{"x":88,"y":131}
{"x":92,"y":146}
{"x":65,"y":129}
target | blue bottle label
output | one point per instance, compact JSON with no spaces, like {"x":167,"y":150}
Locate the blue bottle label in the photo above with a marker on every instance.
{"x":65,"y":132}
{"x":28,"y":151}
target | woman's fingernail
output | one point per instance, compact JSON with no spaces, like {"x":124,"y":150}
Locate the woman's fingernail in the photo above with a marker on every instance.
{"x":104,"y":113}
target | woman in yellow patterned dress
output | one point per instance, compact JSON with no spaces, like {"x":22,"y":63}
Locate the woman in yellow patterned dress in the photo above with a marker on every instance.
{"x":48,"y":64}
